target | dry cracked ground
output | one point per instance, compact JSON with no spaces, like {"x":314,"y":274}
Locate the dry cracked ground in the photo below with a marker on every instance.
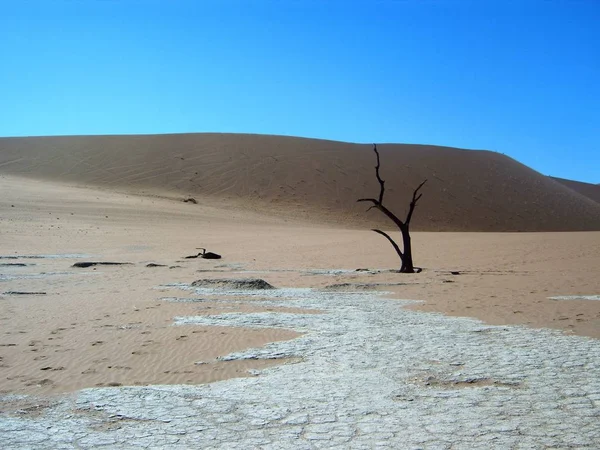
{"x":367,"y":373}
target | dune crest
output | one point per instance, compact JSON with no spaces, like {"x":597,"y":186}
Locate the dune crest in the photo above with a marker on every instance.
{"x":311,"y":179}
{"x":589,"y":190}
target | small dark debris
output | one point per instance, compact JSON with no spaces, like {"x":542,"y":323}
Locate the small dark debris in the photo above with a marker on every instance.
{"x":96,"y":263}
{"x":155,"y":265}
{"x":350,"y":286}
{"x":448,"y":281}
{"x":489,"y":330}
{"x":454,"y":273}
{"x":23,"y":293}
{"x":362,"y":270}
{"x":360,"y":286}
{"x":190,"y":200}
{"x":13,"y":264}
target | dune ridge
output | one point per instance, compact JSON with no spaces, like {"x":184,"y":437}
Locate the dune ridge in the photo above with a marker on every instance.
{"x":588,"y":189}
{"x":310,"y":179}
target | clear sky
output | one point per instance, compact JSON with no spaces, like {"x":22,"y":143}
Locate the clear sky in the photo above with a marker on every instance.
{"x":519,"y":77}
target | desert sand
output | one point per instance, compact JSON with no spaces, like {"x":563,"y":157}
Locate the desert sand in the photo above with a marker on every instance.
{"x":101,"y":325}
{"x":280,"y":215}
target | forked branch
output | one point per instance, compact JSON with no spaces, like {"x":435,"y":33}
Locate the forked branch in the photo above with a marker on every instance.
{"x":413,"y":203}
{"x":383,"y":209}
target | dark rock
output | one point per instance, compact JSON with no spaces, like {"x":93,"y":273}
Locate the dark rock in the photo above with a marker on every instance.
{"x":190,"y":200}
{"x":205,"y":255}
{"x":155,"y":265}
{"x":23,"y":293}
{"x":96,"y":263}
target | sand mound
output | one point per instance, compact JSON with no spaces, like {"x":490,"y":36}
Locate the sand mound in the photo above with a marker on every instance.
{"x":245,"y":283}
{"x":310,"y":179}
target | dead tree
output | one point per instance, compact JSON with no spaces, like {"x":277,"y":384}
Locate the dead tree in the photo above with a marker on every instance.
{"x":406,"y":255}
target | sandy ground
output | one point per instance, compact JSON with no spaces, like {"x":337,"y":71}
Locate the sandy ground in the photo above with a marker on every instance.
{"x":366,"y":372}
{"x":112,"y":325}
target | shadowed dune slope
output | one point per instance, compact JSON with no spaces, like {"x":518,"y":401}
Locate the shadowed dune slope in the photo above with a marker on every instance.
{"x":311,"y":179}
{"x":589,"y":190}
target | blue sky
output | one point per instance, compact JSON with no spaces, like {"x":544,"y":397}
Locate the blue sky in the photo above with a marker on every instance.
{"x":519,"y":77}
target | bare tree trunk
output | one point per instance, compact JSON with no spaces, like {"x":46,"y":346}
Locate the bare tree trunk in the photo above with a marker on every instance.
{"x":407,"y":262}
{"x":406,"y":255}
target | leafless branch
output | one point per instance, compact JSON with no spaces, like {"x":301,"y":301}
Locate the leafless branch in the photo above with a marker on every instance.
{"x":388,"y":237}
{"x":383,"y":209}
{"x":372,"y":200}
{"x":413,"y":203}
{"x":381,"y":182}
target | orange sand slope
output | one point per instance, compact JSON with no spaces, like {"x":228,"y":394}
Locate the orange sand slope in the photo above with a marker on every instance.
{"x":313,"y":179}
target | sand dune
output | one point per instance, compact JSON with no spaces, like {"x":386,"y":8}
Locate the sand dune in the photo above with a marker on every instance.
{"x":589,"y":190}
{"x":314,"y":180}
